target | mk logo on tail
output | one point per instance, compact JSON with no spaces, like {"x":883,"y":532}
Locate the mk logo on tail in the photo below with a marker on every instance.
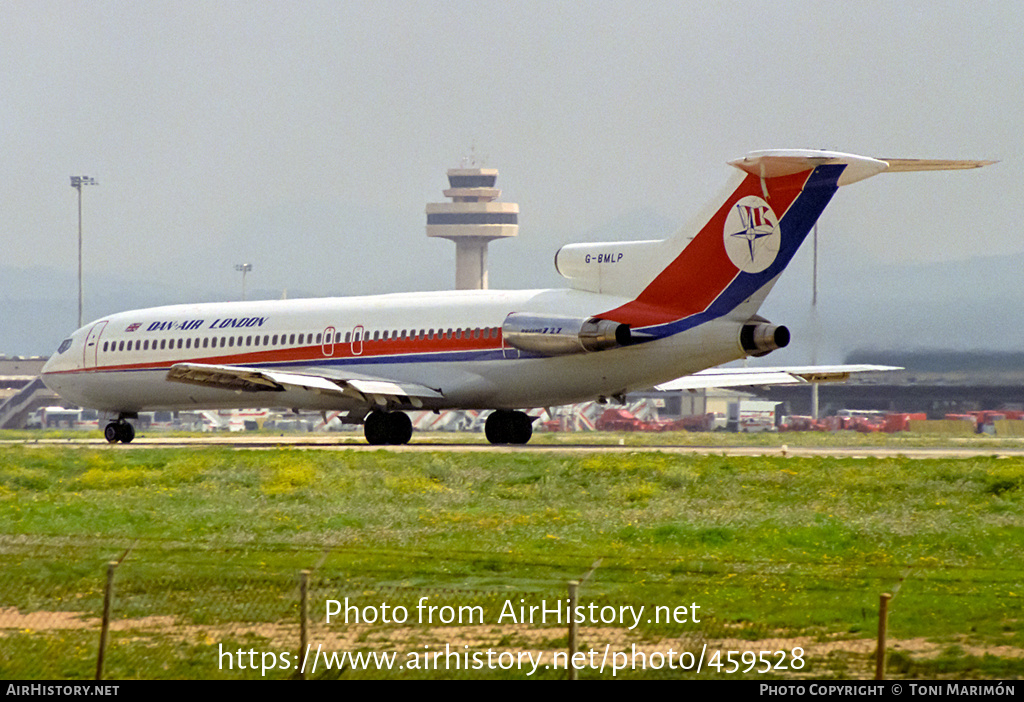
{"x":751,"y":234}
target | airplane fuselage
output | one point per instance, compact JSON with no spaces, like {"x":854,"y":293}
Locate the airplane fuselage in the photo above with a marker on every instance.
{"x":450,"y":341}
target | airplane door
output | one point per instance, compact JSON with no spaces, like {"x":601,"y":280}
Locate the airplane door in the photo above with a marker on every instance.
{"x":357,"y":340}
{"x":328,"y":346}
{"x":90,"y":353}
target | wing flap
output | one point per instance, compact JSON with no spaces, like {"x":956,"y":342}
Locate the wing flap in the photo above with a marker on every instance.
{"x":242,"y":379}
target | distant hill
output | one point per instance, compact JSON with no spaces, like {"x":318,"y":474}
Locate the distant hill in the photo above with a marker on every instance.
{"x":943,"y":361}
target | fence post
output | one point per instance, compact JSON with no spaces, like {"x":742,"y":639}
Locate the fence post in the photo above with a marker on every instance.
{"x":108,"y":595}
{"x":303,"y":620}
{"x":573,"y":627}
{"x":883,"y":617}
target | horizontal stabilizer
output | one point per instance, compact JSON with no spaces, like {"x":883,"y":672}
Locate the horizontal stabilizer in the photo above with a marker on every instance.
{"x":897,"y":165}
{"x":775,"y":163}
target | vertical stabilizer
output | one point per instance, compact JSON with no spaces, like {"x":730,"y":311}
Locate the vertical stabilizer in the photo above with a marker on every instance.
{"x":725,"y":263}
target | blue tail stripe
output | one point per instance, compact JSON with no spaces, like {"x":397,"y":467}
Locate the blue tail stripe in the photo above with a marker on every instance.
{"x":795,"y":224}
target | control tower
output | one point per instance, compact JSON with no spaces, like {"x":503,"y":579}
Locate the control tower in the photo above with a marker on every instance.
{"x":472,"y":219}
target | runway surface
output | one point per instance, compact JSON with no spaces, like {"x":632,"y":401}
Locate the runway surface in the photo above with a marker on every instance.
{"x":424,"y":444}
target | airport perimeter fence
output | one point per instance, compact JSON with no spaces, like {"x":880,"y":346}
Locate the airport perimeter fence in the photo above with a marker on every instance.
{"x":151,"y":617}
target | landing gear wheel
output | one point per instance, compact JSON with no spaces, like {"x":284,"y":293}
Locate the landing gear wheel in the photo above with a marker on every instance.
{"x":399,"y":428}
{"x":522,"y":428}
{"x":393,"y":428}
{"x":508,"y":427}
{"x":375,"y":428}
{"x":119,"y":431}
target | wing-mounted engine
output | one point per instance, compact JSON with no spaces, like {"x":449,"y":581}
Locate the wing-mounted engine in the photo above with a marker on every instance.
{"x":553,"y":335}
{"x":759,"y":338}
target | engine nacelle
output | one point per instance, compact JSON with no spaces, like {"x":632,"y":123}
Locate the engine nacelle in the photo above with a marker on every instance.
{"x":762,"y":339}
{"x":553,"y":335}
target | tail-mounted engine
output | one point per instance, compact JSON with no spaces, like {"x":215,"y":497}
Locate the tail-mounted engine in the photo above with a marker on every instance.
{"x":552,"y":335}
{"x":761,"y":338}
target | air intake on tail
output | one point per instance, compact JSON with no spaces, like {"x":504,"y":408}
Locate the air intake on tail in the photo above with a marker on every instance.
{"x":761,"y":339}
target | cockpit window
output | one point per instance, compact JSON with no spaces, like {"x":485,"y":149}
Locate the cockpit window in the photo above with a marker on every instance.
{"x":64,"y":346}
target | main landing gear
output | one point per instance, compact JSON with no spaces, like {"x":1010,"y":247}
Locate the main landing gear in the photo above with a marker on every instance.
{"x":120,"y":430}
{"x":387,"y":428}
{"x":508,"y":427}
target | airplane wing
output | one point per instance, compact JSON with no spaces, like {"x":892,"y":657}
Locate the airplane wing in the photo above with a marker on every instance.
{"x":373,"y":391}
{"x":789,"y":375}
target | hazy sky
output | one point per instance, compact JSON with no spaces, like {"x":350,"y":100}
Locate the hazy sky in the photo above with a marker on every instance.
{"x":307,"y":137}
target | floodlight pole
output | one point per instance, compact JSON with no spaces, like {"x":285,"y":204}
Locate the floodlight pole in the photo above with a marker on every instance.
{"x":814,"y":316}
{"x":77,"y":182}
{"x":244,"y":268}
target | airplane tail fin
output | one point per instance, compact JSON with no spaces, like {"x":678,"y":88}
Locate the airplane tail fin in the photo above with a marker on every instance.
{"x":727,"y":260}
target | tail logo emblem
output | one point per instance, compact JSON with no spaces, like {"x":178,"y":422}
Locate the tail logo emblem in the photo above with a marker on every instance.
{"x":751,"y":234}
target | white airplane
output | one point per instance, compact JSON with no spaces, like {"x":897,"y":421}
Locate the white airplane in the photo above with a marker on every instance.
{"x":637,"y":314}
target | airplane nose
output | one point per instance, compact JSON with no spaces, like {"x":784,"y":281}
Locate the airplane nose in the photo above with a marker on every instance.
{"x":59,"y":359}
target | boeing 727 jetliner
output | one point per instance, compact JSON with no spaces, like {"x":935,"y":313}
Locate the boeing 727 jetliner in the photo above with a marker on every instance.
{"x":636,"y":314}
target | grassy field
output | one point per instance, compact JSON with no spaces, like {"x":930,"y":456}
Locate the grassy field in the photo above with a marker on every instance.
{"x":769,"y":546}
{"x":842,"y":439}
